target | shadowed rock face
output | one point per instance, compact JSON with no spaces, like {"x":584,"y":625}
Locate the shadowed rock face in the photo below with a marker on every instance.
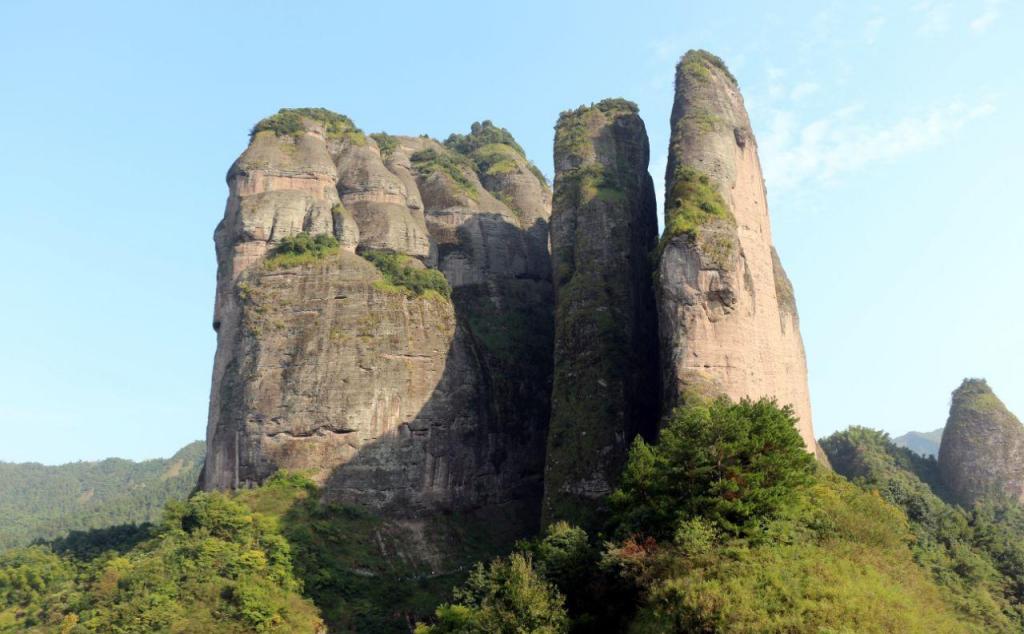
{"x":982,"y":448}
{"x":726,"y":309}
{"x":408,"y":404}
{"x":603,"y":229}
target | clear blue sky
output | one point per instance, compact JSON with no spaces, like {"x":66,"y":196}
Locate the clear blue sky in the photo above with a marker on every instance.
{"x":890,"y":135}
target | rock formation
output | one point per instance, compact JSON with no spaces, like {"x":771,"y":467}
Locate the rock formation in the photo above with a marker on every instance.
{"x":726,"y":310}
{"x":404,"y":401}
{"x":603,"y":229}
{"x":982,"y":448}
{"x":385,"y":304}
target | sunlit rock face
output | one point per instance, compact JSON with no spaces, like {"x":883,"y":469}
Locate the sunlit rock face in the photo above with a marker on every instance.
{"x":726,"y":309}
{"x":406,"y":403}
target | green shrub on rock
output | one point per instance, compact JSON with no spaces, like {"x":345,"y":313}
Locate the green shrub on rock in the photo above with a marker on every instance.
{"x":400,"y":274}
{"x":300,"y":249}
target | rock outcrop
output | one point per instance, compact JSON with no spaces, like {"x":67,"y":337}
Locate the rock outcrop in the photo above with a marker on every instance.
{"x":606,"y":377}
{"x":405,"y":401}
{"x":982,"y":448}
{"x":726,"y":309}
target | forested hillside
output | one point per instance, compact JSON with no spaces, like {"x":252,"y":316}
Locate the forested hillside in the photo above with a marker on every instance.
{"x":725,"y":524}
{"x":46,"y":502}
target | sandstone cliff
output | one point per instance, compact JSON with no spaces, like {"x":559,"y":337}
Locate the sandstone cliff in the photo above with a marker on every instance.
{"x":726,"y":309}
{"x":405,"y":400}
{"x":982,"y":448}
{"x":603,"y":229}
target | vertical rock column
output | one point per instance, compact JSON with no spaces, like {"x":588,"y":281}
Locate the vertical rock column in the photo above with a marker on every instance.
{"x":603,"y":229}
{"x":726,"y":308}
{"x":982,"y":449}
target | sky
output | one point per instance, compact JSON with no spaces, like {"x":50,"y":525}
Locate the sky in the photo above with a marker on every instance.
{"x":889,"y":133}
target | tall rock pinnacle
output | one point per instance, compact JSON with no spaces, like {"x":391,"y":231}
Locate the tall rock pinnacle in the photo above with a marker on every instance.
{"x":603,"y":229}
{"x":726,"y":310}
{"x":338,"y":362}
{"x":982,"y":449}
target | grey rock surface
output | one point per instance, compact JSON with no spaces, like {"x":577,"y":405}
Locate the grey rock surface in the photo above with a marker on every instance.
{"x":606,"y":379}
{"x":982,"y":448}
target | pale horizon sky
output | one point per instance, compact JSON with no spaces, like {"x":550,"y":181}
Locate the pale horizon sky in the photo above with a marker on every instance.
{"x":889,"y":134}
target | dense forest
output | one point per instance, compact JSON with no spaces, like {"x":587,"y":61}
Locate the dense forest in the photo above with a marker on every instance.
{"x":725,"y":524}
{"x":39,"y":502}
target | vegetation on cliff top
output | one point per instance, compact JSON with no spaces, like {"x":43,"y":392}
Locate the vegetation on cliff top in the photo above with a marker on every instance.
{"x":386,"y":144}
{"x":400,"y":275}
{"x":481,"y":134}
{"x":491,"y":148}
{"x":697,"y":63}
{"x":450,"y":164}
{"x":289,"y":122}
{"x":300,"y":249}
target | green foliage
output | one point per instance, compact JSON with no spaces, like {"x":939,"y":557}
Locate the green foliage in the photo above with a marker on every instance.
{"x":736,"y":464}
{"x":505,"y":597}
{"x":697,"y":63}
{"x":495,"y":158}
{"x":386,"y":143}
{"x":481,"y":134}
{"x":212,"y":564}
{"x":693,"y":202}
{"x":301,"y":249}
{"x":975,"y":555}
{"x":289,"y":122}
{"x":400,"y":274}
{"x":450,"y":164}
{"x":40,"y":502}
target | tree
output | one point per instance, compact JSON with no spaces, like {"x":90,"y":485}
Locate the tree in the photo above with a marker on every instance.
{"x":735,"y":464}
{"x":505,"y":597}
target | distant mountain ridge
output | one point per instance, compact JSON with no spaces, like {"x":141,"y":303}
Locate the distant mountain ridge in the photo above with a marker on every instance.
{"x":923,"y":443}
{"x":46,"y":502}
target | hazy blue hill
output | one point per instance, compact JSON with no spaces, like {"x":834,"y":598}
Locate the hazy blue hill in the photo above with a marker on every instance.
{"x":45,"y":502}
{"x":923,"y":443}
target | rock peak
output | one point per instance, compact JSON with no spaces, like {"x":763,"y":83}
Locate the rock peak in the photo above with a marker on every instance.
{"x":982,"y":448}
{"x":727,"y":310}
{"x":603,"y":228}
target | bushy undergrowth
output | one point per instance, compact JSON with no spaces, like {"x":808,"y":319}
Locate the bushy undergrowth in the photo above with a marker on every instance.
{"x":210,"y":565}
{"x":978,"y":554}
{"x":725,"y":525}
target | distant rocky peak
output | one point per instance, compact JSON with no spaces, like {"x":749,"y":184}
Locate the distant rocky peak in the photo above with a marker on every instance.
{"x":982,"y":449}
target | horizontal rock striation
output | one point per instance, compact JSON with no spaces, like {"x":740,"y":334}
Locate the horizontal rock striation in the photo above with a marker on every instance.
{"x":405,"y":400}
{"x":606,"y":381}
{"x":726,"y":309}
{"x":982,"y":449}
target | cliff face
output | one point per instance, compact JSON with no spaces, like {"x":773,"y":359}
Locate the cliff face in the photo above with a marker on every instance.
{"x":982,"y":448}
{"x":401,"y":400}
{"x":603,"y":229}
{"x":726,"y":309}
